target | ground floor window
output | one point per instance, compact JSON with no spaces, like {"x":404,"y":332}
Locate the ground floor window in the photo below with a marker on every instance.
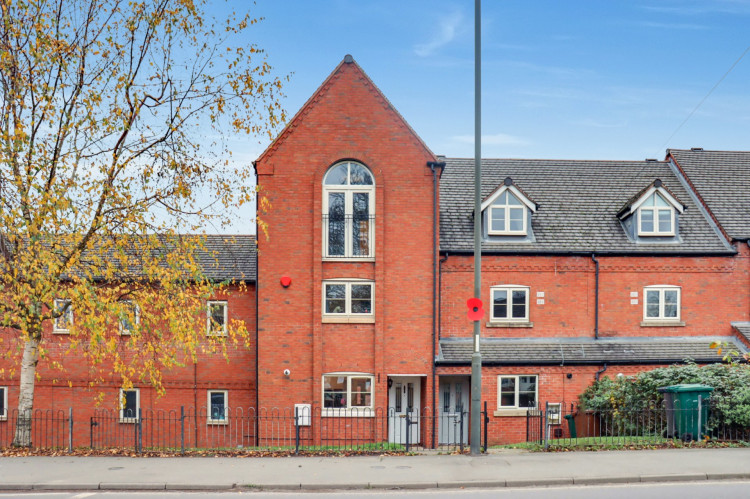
{"x":217,"y":406}
{"x":347,"y":391}
{"x":516,"y":392}
{"x":3,"y":403}
{"x":130,"y":405}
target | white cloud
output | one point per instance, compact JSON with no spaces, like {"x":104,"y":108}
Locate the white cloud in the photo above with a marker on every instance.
{"x":498,"y":139}
{"x":447,"y":29}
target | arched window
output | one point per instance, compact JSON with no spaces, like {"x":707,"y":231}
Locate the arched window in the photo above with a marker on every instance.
{"x":348,"y":211}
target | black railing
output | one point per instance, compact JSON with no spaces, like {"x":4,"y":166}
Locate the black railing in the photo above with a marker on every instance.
{"x":296,"y":430}
{"x":348,"y":236}
{"x":654,"y":423}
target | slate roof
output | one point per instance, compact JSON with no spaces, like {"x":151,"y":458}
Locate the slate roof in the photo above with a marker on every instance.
{"x":578,"y":205}
{"x":230,"y":257}
{"x":722,"y":179}
{"x":567,"y":351}
{"x":743,"y":328}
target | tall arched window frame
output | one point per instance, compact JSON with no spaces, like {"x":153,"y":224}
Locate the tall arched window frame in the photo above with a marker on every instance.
{"x":348,"y":212}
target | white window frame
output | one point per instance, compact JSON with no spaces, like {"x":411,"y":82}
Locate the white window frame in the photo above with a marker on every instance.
{"x":58,"y":304}
{"x":136,"y":316}
{"x":349,"y":190}
{"x":655,"y":210}
{"x":517,"y":377}
{"x":507,"y":207}
{"x":209,"y":330}
{"x":368,"y":410}
{"x":509,"y":288}
{"x":662,"y":288}
{"x":347,"y":315}
{"x":123,"y":418}
{"x":4,"y":397}
{"x":209,"y":413}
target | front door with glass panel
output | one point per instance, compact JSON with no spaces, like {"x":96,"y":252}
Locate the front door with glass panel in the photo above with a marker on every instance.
{"x":454,"y":410}
{"x":403,"y":399}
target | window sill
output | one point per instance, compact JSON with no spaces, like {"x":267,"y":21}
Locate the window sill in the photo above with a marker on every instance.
{"x":128,"y":420}
{"x":359,"y":412}
{"x":510,"y":412}
{"x":217,"y":422}
{"x":662,"y":324}
{"x":348,"y":258}
{"x":510,"y":324}
{"x":348,"y":319}
{"x":61,"y":331}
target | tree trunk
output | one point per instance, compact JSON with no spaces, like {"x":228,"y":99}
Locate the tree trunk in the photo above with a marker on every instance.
{"x":29,"y":361}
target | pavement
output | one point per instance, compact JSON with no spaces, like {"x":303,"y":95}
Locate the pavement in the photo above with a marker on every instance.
{"x":505,"y":468}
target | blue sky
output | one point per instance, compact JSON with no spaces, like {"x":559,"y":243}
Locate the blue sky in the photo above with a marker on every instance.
{"x":596,"y":79}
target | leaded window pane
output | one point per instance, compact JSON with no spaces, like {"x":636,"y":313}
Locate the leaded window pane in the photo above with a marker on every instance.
{"x":500,"y":303}
{"x":361,"y":224}
{"x":336,"y":223}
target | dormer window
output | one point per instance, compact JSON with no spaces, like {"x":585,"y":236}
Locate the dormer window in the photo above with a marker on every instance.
{"x":506,"y":211}
{"x":652,"y":213}
{"x":656,"y":217}
{"x":348,"y":209}
{"x":507,"y":216}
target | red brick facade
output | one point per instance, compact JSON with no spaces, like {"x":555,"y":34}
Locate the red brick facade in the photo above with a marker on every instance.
{"x":297,"y":342}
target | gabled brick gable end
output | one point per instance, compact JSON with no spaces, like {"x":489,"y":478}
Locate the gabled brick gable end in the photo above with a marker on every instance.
{"x":347,"y":69}
{"x":346,"y":119}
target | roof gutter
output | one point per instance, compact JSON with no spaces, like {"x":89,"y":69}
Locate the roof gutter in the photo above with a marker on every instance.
{"x":600,"y":253}
{"x":533,"y":362}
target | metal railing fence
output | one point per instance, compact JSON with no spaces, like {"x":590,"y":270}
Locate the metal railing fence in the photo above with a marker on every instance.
{"x":296,"y":430}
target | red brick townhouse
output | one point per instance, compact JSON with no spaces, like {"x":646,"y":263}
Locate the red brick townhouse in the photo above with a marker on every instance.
{"x":720,"y":181}
{"x":588,"y":268}
{"x":345,"y":310}
{"x":215,"y":386}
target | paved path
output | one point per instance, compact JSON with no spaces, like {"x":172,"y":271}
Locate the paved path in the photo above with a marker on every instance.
{"x":498,"y":469}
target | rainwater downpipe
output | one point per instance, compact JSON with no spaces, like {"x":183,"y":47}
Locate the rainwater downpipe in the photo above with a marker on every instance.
{"x":596,"y":297}
{"x":434,"y":165}
{"x":600,"y":372}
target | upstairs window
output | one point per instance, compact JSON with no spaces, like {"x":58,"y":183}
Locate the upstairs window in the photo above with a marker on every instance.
{"x":130,"y":316}
{"x":510,"y":304}
{"x":216,"y":318}
{"x":661,"y":303}
{"x":64,"y":321}
{"x":656,"y":217}
{"x":348,"y":301}
{"x":348,"y":209}
{"x":507,"y":215}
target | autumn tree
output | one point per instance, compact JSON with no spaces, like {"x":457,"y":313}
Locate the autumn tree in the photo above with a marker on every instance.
{"x":113,"y":119}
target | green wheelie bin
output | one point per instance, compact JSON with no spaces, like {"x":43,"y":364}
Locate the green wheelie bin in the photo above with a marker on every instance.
{"x":687,"y":410}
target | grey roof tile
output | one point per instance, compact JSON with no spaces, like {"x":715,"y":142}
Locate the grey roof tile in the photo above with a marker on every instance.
{"x":564,"y":351}
{"x":722,"y":179}
{"x":578,"y":205}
